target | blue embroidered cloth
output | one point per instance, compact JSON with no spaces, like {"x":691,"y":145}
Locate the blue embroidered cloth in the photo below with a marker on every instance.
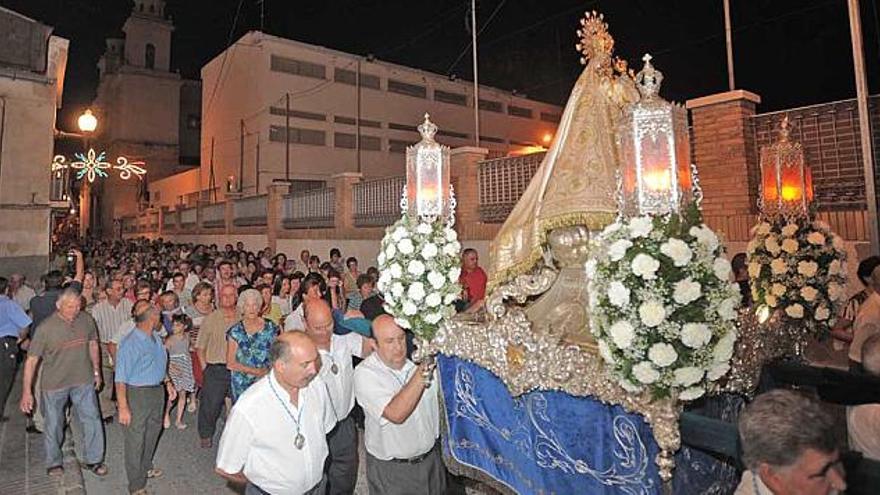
{"x":544,"y":442}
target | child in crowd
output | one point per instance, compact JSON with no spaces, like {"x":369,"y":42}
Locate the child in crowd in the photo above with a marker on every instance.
{"x":365,"y":289}
{"x":179,"y":366}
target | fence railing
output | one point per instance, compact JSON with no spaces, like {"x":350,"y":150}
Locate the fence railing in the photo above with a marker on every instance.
{"x":250,"y":211}
{"x":502,"y":182}
{"x":129,"y":224}
{"x":214,"y":215}
{"x":188,"y":216}
{"x":169,"y":220}
{"x":206,"y":195}
{"x":377,"y":202}
{"x":310,"y":210}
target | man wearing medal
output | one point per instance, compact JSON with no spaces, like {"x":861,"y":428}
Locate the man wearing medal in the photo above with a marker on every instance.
{"x":275,"y":439}
{"x":337,"y":374}
{"x":402,"y":418}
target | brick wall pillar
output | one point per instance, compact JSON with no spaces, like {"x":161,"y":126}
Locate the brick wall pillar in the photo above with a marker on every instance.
{"x":342,"y":185}
{"x":274,"y":212}
{"x":464,"y":177}
{"x":229,"y":213}
{"x":723,"y":149}
{"x":160,"y":228}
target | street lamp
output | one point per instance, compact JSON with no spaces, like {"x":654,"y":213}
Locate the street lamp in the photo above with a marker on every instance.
{"x":87,"y":122}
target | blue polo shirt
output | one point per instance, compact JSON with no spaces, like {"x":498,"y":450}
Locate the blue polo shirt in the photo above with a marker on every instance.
{"x":141,"y":360}
{"x":12,"y":318}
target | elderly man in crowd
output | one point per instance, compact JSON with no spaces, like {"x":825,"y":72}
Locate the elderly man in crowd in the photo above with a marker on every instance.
{"x":211,"y":348}
{"x":337,"y":374}
{"x":13,"y":328}
{"x":473,"y":281}
{"x":110,"y":316}
{"x":141,"y":367}
{"x":789,"y":447}
{"x":863,"y":421}
{"x":402,"y":418}
{"x":275,"y":439}
{"x":20,"y":291}
{"x":67,"y":344}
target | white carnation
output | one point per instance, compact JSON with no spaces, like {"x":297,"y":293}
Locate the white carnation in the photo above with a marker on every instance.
{"x":717,"y":371}
{"x":406,"y":246}
{"x":590,"y":268}
{"x":687,"y":376}
{"x":752,"y":246}
{"x":454,"y":273}
{"x":691,"y":393}
{"x":433,"y":300}
{"x":790,"y":246}
{"x":645,"y":373}
{"x":772,"y":246}
{"x":381,"y":258}
{"x":789,"y":229}
{"x":451,"y":235}
{"x":662,"y":354}
{"x":415,"y":268}
{"x":822,"y":313}
{"x":778,"y":289}
{"x":434,"y":318}
{"x":622,"y":334}
{"x":809,"y":293}
{"x":722,"y":268}
{"x":687,"y":291}
{"x":402,"y":322}
{"x":678,"y":250}
{"x":605,"y":352}
{"x":618,"y":294}
{"x":778,"y":266}
{"x":723,"y":350}
{"x":451,"y":249}
{"x":429,"y":251}
{"x":795,"y":311}
{"x":389,"y":300}
{"x":816,"y":238}
{"x":838,"y":243}
{"x":807,"y":268}
{"x":834,"y":268}
{"x":754,"y":269}
{"x":396,"y":270}
{"x":645,"y":266}
{"x":762,"y":228}
{"x":640,"y":227}
{"x":695,"y":335}
{"x":652,"y":313}
{"x":771,"y":300}
{"x":727,"y":308}
{"x":390,"y":251}
{"x":617,"y":249}
{"x":423,"y":228}
{"x":397,"y":289}
{"x":450,"y":298}
{"x":436,"y":279}
{"x":416,"y":291}
{"x":410,"y":309}
{"x":399,"y":233}
{"x":384,"y":279}
{"x":705,"y":236}
{"x":610,"y":229}
{"x":835,"y":291}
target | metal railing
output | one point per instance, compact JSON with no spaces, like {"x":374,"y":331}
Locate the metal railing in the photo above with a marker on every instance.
{"x":310,"y":210}
{"x":153,"y":220}
{"x":250,"y":211}
{"x":377,"y":202}
{"x":214,"y":215}
{"x":205,"y":195}
{"x":502,"y":181}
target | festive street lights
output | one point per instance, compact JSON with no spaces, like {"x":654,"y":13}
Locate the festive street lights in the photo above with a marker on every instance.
{"x":87,"y":122}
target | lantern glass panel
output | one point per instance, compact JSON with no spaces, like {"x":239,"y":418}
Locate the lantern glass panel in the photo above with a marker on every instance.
{"x":428,"y":192}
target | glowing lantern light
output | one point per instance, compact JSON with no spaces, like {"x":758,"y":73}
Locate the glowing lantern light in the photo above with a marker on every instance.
{"x":656,"y":175}
{"x":428,"y":194}
{"x":786,"y":180}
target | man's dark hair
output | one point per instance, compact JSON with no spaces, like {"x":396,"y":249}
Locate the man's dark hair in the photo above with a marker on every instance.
{"x":279,"y":350}
{"x":738,"y":262}
{"x":866,"y":267}
{"x":4,"y":284}
{"x":224,"y":262}
{"x":335,"y":252}
{"x":349,"y":261}
{"x":468,"y":251}
{"x":53,"y":280}
{"x":311,"y":280}
{"x":177,"y":274}
{"x":314,"y":258}
{"x":364,"y":279}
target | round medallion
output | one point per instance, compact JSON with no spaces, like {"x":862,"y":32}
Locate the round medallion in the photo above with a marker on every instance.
{"x":299,"y":441}
{"x":334,"y":369}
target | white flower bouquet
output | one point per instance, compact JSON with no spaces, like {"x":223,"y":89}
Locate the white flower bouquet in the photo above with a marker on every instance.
{"x":419,"y":265}
{"x":798,"y":273}
{"x":662,"y":304}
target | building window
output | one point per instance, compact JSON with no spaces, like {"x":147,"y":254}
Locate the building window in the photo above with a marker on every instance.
{"x":371,"y":143}
{"x":519,"y":111}
{"x":447,"y":97}
{"x":344,"y":140}
{"x":299,"y":114}
{"x":402,"y":127}
{"x":150,"y":56}
{"x":550,"y":117}
{"x":454,"y":134}
{"x":349,"y":77}
{"x":193,"y":121}
{"x":408,"y":89}
{"x":397,"y":145}
{"x":339,"y":119}
{"x":297,"y":135}
{"x":491,"y":106}
{"x":297,"y":67}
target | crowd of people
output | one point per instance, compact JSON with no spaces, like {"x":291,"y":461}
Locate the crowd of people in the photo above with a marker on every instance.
{"x":289,"y":352}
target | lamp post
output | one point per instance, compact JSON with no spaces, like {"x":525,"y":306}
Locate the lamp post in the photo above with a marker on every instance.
{"x":87,"y":123}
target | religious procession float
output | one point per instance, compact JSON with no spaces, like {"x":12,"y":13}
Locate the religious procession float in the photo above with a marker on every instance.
{"x":611,"y":311}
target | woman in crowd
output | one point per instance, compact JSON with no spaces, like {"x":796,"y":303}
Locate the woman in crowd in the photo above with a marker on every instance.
{"x":281,"y":294}
{"x":312,"y":288}
{"x":349,"y":279}
{"x":271,"y":310}
{"x":248,"y":342}
{"x":202,"y":306}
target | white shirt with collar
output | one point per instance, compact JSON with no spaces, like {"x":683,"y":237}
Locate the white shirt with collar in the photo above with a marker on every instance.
{"x":375,"y":384}
{"x":259,"y":436}
{"x":295,"y":320}
{"x":751,"y":484}
{"x":341,"y":384}
{"x":863,"y":426}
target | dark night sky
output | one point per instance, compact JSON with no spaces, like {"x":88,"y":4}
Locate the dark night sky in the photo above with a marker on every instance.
{"x":791,"y":52}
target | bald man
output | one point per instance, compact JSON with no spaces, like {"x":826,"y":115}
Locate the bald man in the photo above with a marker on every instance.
{"x":402,"y":418}
{"x":337,"y":374}
{"x":276,"y":438}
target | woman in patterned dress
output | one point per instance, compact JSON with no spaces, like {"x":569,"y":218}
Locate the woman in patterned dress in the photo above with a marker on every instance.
{"x":179,"y":366}
{"x":248,"y":342}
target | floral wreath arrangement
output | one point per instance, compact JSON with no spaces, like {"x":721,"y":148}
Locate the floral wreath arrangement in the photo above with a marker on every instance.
{"x":663,"y":307}
{"x":798,"y":273}
{"x":419,"y":265}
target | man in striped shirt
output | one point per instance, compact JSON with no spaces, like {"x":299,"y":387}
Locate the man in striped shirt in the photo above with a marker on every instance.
{"x":110,"y":315}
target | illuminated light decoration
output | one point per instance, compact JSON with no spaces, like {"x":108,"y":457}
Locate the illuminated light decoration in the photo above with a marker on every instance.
{"x":786,"y":179}
{"x":428,"y":193}
{"x":92,"y":165}
{"x":656,"y":175}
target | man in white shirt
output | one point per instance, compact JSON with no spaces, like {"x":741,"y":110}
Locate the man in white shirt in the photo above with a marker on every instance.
{"x":789,"y":447}
{"x":337,"y":373}
{"x":867,"y":322}
{"x":275,"y":438}
{"x":402,"y":418}
{"x":20,"y":292}
{"x":863,"y":422}
{"x":111,"y":315}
